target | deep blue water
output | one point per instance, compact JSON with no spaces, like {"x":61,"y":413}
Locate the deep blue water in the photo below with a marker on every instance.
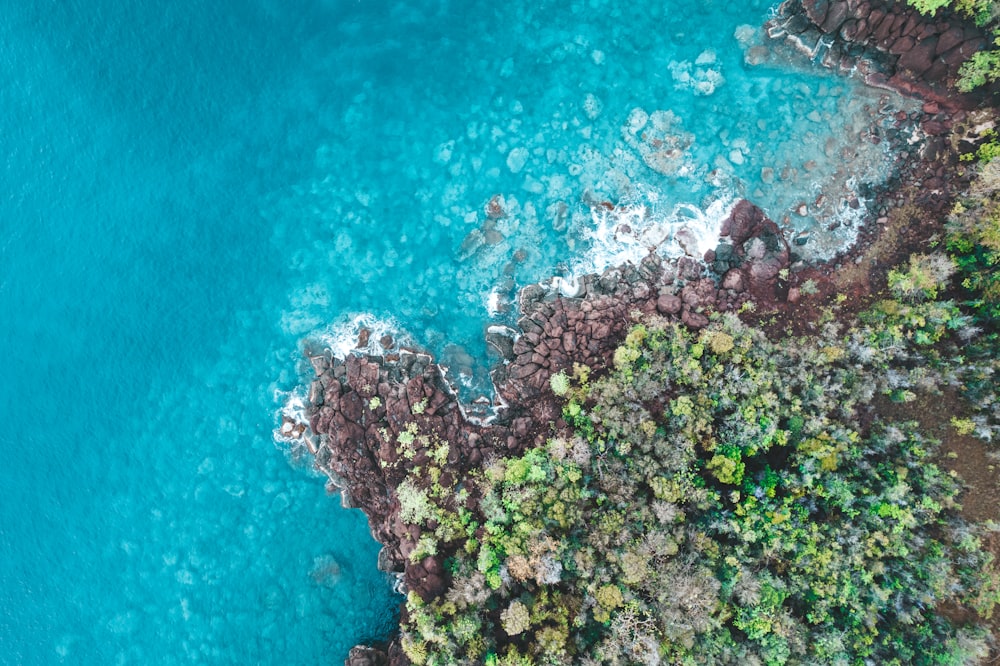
{"x":191,"y":188}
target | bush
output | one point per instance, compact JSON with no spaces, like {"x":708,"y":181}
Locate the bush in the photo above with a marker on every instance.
{"x":726,"y":509}
{"x":974,"y":242}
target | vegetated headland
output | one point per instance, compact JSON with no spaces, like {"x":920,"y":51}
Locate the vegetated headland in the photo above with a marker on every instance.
{"x":735,"y":458}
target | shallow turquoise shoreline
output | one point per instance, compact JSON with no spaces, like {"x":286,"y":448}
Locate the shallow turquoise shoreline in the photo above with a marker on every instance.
{"x":192,"y":190}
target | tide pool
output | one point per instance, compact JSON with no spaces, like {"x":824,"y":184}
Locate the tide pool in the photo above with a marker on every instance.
{"x":191,"y":189}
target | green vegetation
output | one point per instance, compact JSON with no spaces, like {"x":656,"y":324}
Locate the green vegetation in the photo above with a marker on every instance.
{"x":974,"y":241}
{"x":982,"y":67}
{"x":714,"y":503}
{"x":721,"y":498}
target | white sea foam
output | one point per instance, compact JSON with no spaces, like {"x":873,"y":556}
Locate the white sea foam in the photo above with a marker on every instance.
{"x":627,"y":234}
{"x":493,"y":303}
{"x":342,"y":339}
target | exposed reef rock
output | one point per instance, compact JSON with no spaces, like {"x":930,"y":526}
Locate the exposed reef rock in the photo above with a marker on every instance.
{"x":890,"y":44}
{"x":364,"y":410}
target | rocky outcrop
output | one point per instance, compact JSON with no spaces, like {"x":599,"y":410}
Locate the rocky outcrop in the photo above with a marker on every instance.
{"x":890,"y":44}
{"x":361,"y":408}
{"x":365,"y":405}
{"x":760,"y":254}
{"x":363,"y":655}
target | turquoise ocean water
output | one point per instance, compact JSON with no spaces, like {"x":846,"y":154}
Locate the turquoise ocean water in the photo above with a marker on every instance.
{"x":191,"y":188}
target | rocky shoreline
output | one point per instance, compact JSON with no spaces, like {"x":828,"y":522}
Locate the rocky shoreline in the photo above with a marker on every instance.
{"x":361,"y":407}
{"x":889,"y":44}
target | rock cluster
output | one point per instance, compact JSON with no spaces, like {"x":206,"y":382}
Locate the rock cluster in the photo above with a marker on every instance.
{"x":890,"y":43}
{"x":359,"y":406}
{"x":760,"y":253}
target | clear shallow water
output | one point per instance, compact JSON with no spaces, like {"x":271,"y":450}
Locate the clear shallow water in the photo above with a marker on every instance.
{"x":190,"y":189}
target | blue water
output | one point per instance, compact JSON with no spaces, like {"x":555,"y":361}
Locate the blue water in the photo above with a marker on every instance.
{"x":191,"y":188}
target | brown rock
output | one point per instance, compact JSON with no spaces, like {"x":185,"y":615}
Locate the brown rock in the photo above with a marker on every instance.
{"x":688,"y":268}
{"x":701,"y":294}
{"x":361,"y":655}
{"x":694,"y":320}
{"x":881,"y":32}
{"x":521,"y":371}
{"x":919,"y":58}
{"x":928,"y":30}
{"x":849,"y":30}
{"x":601,"y":330}
{"x":949,"y":39}
{"x":835,"y":17}
{"x":569,"y":341}
{"x":351,"y":407}
{"x":797,"y":24}
{"x":733,"y":279}
{"x":315,"y":393}
{"x":320,"y":364}
{"x":902,"y":45}
{"x":956,"y":56}
{"x":743,"y":222}
{"x":816,"y":10}
{"x":934,"y":127}
{"x":668,"y":304}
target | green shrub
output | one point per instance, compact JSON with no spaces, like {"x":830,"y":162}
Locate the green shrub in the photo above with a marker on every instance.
{"x":713,"y":502}
{"x":926,"y":275}
{"x":974,"y":241}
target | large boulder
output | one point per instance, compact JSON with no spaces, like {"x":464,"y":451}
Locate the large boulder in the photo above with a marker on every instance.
{"x":759,"y":244}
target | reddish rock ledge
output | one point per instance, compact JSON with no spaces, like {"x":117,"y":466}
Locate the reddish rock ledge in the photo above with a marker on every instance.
{"x":359,"y":406}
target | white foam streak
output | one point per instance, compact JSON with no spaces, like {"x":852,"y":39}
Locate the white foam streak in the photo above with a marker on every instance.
{"x":627,"y":234}
{"x":342,"y":339}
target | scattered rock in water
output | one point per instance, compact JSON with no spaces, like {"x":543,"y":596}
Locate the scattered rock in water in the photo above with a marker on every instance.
{"x":496,"y":207}
{"x":471,"y":244}
{"x":292,"y":429}
{"x":756,"y":55}
{"x":326,"y":571}
{"x":517,"y":158}
{"x":363,"y":337}
{"x":592,"y":106}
